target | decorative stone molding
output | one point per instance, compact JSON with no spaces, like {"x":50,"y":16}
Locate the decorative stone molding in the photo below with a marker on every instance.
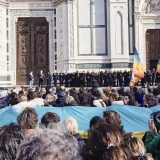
{"x":71,"y":30}
{"x":57,"y":2}
{"x":60,"y":32}
{"x":153,"y":6}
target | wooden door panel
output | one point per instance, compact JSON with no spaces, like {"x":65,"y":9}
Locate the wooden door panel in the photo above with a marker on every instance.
{"x":32,"y":47}
{"x":152,"y":47}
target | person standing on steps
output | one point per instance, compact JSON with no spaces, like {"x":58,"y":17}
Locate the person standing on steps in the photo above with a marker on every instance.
{"x":30,"y":79}
{"x":41,"y":78}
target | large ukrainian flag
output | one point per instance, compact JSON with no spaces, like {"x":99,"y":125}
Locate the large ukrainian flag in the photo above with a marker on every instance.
{"x":158,"y":66}
{"x":138,"y":69}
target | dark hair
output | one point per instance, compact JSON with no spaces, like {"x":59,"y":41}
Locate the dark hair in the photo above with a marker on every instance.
{"x":49,"y":118}
{"x":101,"y":137}
{"x":28,"y":119}
{"x":13,"y":95}
{"x":95,"y":121}
{"x":84,"y":99}
{"x":31,"y":95}
{"x":10,"y":139}
{"x":114,"y":153}
{"x":156,"y":118}
{"x":96,"y":93}
{"x":156,"y":92}
{"x":113,"y":118}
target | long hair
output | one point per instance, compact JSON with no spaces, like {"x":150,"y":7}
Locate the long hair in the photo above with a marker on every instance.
{"x":103,"y":136}
{"x":114,"y":153}
{"x":113,"y":118}
{"x":137,"y":149}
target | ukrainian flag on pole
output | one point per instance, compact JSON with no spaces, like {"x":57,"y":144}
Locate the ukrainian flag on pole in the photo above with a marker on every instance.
{"x":158,"y":66}
{"x":138,"y":69}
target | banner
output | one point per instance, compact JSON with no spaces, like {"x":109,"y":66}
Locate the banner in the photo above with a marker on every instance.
{"x":134,"y":119}
{"x":138,"y":69}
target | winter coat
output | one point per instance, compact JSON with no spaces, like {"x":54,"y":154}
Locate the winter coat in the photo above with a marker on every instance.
{"x":152,"y":144}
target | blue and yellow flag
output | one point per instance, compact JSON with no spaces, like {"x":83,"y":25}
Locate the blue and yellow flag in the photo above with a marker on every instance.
{"x":158,"y":67}
{"x":138,"y":69}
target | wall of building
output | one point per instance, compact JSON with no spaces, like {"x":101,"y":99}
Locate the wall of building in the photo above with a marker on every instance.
{"x":147,"y":16}
{"x":4,"y":44}
{"x":90,"y":34}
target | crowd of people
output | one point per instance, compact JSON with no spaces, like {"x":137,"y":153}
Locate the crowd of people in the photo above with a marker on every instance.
{"x":87,"y":79}
{"x":95,"y":97}
{"x":54,"y":139}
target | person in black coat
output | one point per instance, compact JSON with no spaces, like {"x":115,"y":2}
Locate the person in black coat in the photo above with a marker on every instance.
{"x":49,"y":80}
{"x":55,"y":78}
{"x":41,"y":78}
{"x":61,"y":79}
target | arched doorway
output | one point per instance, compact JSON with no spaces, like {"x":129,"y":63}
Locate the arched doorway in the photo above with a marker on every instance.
{"x":152,"y":48}
{"x":32,"y":48}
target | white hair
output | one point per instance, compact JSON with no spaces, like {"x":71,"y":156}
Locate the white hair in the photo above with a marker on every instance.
{"x":55,"y":143}
{"x":71,"y":124}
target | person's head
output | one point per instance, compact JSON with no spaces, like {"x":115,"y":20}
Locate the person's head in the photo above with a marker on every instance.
{"x":13,"y":95}
{"x":71,"y":124}
{"x":69,"y":100}
{"x":22,"y":98}
{"x":28,"y":119}
{"x":49,"y":144}
{"x":135,"y":89}
{"x":155,"y":116}
{"x":50,"y":118}
{"x":137,"y":149}
{"x":96,"y":94}
{"x":94,"y":122}
{"x":156,"y":92}
{"x":113,"y":118}
{"x":103,"y":136}
{"x":50,"y":97}
{"x":84,"y":99}
{"x":114,"y":153}
{"x":10,"y":139}
{"x":31,"y":95}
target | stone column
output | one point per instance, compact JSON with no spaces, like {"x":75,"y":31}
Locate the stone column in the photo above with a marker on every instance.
{"x":5,"y":77}
{"x":119,"y":33}
{"x":65,"y":36}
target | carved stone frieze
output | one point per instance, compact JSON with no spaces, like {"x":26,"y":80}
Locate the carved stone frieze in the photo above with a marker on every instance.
{"x":153,"y":6}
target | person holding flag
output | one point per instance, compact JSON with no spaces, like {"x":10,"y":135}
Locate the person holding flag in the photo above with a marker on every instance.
{"x":138,"y":69}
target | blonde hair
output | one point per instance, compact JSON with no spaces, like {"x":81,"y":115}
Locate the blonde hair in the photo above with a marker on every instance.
{"x":69,"y":99}
{"x":71,"y":124}
{"x":51,"y":98}
{"x":137,"y":149}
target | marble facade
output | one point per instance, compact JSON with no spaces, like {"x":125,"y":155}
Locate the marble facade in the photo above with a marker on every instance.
{"x":83,"y":34}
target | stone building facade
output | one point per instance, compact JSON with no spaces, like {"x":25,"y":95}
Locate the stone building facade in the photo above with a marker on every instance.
{"x":70,"y":35}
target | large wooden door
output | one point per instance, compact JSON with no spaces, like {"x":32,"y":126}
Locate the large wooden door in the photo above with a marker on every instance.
{"x":32,"y":48}
{"x":152,"y":47}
